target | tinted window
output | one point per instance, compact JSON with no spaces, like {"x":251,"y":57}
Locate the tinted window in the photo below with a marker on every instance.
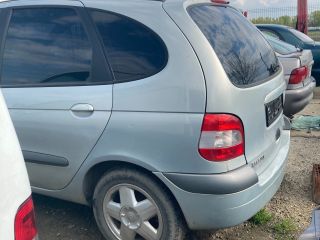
{"x":280,"y":46}
{"x":244,"y":53}
{"x":272,"y":34}
{"x":133,"y":50}
{"x":46,"y":46}
{"x":303,"y":37}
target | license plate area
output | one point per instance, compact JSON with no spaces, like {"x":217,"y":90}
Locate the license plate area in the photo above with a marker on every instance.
{"x":273,"y":110}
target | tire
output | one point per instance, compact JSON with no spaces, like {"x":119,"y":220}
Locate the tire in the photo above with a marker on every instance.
{"x":130,"y":205}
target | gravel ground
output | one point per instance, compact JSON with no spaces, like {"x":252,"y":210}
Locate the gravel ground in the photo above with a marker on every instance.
{"x":293,"y":200}
{"x":67,"y":221}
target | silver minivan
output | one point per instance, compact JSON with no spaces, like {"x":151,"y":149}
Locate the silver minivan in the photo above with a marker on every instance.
{"x":158,"y":114}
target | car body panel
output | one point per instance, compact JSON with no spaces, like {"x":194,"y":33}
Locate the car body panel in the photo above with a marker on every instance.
{"x":305,"y":59}
{"x":260,"y":140}
{"x":162,"y":92}
{"x":221,"y":211}
{"x":298,"y":99}
{"x":154,"y":103}
{"x":49,"y":122}
{"x":289,"y":62}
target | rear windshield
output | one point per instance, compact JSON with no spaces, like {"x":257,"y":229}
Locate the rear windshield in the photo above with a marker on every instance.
{"x":303,"y":37}
{"x":280,"y":46}
{"x":244,"y":53}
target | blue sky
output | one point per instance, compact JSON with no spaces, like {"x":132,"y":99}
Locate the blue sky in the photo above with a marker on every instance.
{"x":253,"y":4}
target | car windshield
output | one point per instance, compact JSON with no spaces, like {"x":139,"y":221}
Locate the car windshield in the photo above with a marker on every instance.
{"x":244,"y":53}
{"x":303,"y":37}
{"x":280,"y":46}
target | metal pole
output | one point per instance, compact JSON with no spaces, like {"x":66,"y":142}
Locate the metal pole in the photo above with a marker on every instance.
{"x":302,"y":19}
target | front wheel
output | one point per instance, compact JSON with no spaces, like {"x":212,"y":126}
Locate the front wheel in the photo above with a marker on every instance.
{"x":130,"y":205}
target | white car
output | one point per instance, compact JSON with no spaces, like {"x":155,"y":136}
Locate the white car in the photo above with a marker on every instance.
{"x":17,"y":221}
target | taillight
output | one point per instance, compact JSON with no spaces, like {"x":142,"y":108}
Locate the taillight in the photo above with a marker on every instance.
{"x":222,"y":137}
{"x":298,"y":75}
{"x":24,"y":224}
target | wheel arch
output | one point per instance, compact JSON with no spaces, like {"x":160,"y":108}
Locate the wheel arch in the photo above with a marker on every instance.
{"x":95,"y":173}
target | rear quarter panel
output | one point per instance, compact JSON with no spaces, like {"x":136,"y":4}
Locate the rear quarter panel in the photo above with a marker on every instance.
{"x":156,"y":122}
{"x":289,"y":63}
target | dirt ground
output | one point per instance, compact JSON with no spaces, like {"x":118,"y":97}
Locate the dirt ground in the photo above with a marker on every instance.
{"x":67,"y":221}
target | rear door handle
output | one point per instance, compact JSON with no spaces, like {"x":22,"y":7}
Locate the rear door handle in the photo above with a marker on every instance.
{"x":82,"y":107}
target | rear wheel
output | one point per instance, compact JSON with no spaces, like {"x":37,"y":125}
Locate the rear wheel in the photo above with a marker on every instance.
{"x":130,"y":205}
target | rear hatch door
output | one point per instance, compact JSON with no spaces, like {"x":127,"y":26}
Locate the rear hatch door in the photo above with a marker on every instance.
{"x":243,"y":75}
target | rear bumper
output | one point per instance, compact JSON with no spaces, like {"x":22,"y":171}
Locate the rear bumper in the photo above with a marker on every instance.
{"x":224,"y":183}
{"x":297,"y":99}
{"x":214,"y":211}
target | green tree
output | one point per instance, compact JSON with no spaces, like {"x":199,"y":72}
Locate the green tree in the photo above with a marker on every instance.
{"x":283,"y":20}
{"x":314,"y":19}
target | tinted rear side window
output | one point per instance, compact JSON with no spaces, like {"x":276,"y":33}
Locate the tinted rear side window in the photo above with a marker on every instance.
{"x":133,"y":50}
{"x":270,"y":33}
{"x":244,"y":53}
{"x":46,"y":46}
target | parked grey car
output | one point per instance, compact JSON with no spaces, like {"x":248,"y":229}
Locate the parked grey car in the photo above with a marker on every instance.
{"x":298,"y":39}
{"x":148,"y":111}
{"x":297,"y":65}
